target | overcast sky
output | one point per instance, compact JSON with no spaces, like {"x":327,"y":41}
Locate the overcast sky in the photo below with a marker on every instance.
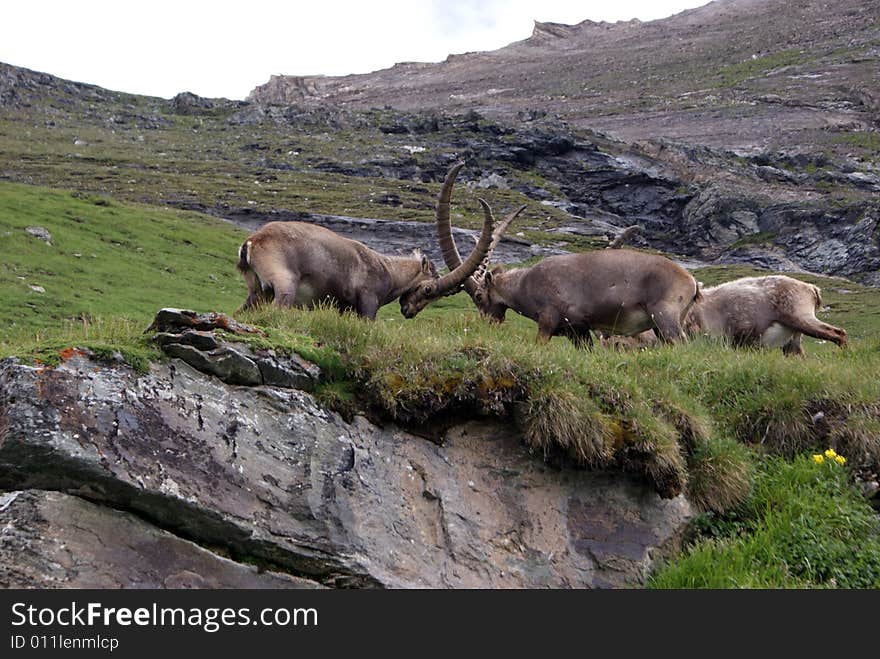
{"x":224,"y":48}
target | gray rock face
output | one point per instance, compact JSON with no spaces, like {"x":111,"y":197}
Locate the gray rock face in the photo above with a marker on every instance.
{"x":269,"y":476}
{"x":817,"y":237}
{"x":54,"y":540}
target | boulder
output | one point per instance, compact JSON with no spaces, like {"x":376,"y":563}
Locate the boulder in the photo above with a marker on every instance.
{"x":40,"y":233}
{"x":233,"y":363}
{"x":269,"y":477}
{"x":55,"y":540}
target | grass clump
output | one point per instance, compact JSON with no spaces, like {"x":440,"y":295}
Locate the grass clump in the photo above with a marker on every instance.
{"x":757,"y":67}
{"x":556,"y":416}
{"x":802,"y":526}
{"x":721,"y":472}
{"x":107,"y":339}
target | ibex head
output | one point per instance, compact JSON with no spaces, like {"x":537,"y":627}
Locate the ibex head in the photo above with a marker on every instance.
{"x":430,"y":287}
{"x":487,"y":297}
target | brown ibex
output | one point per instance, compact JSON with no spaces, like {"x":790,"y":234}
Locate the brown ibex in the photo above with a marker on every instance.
{"x":299,"y":264}
{"x":770,"y":312}
{"x":614,"y":291}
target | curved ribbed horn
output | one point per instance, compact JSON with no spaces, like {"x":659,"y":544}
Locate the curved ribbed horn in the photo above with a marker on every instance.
{"x":444,"y":226}
{"x":497,"y":235}
{"x":454,"y":279}
{"x":444,"y":232}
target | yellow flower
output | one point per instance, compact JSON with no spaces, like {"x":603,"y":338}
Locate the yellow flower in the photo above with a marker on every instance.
{"x":830,"y":454}
{"x":840,"y":460}
{"x":818,"y":459}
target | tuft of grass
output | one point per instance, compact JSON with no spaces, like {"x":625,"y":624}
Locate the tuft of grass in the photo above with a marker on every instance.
{"x":733,"y":75}
{"x":721,"y":473}
{"x":759,"y":238}
{"x":557,"y":416}
{"x":803,"y":526}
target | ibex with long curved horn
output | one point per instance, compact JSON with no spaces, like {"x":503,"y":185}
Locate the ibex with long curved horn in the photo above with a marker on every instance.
{"x":615,"y":291}
{"x":299,"y":264}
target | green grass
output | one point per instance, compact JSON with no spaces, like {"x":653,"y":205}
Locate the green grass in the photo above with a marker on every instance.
{"x":115,"y":339}
{"x":735,"y":74}
{"x":803,"y":526}
{"x":759,"y":238}
{"x":867,"y":140}
{"x":108,"y":259}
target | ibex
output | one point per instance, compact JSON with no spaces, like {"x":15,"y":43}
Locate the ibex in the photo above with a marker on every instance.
{"x":299,"y":264}
{"x":614,"y":291}
{"x":770,"y":312}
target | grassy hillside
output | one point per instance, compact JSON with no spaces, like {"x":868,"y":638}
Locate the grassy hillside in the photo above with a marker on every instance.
{"x":108,"y":259}
{"x":144,"y":149}
{"x":701,"y":418}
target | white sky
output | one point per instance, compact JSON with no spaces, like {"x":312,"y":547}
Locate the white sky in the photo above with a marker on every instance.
{"x":225,"y":48}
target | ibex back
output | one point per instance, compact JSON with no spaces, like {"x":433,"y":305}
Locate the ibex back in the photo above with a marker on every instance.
{"x":615,"y":291}
{"x":299,"y":264}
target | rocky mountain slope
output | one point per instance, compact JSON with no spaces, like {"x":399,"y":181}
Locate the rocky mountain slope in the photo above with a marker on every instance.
{"x":749,"y":75}
{"x":739,"y":132}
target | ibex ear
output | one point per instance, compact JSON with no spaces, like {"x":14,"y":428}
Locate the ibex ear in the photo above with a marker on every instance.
{"x":428,"y":267}
{"x":487,"y":278}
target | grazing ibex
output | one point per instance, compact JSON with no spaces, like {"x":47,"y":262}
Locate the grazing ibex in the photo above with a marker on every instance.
{"x":615,"y":291}
{"x":770,"y":311}
{"x":300,"y":264}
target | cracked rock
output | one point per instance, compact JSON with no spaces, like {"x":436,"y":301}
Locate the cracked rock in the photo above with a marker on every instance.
{"x":54,"y":540}
{"x":268,"y":474}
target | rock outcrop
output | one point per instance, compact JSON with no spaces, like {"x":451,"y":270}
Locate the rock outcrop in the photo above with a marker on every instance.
{"x":222,"y":476}
{"x":55,"y":540}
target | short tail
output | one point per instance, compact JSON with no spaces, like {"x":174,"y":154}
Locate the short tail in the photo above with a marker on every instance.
{"x":243,"y":264}
{"x":817,"y":297}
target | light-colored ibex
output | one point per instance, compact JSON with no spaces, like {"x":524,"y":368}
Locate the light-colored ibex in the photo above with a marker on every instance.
{"x":771,"y":312}
{"x":614,"y":291}
{"x":300,"y":264}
